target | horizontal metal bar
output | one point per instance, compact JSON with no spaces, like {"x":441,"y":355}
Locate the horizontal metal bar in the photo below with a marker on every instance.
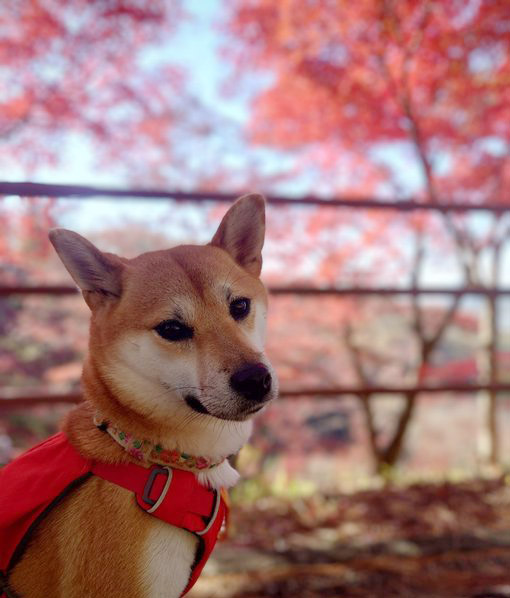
{"x":16,"y":400}
{"x":20,"y":401}
{"x":28,"y":189}
{"x":6,"y":290}
{"x":359,"y":291}
{"x":398,"y":390}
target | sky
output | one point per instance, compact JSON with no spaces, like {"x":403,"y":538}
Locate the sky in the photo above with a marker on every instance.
{"x":196,"y":47}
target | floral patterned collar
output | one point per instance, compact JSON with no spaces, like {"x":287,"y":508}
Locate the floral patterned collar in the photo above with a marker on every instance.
{"x":147,"y":451}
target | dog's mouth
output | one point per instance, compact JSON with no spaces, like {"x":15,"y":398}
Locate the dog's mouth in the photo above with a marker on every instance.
{"x":194,"y":403}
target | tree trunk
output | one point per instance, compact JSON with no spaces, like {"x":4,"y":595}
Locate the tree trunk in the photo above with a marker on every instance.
{"x":487,"y":401}
{"x":391,"y":454}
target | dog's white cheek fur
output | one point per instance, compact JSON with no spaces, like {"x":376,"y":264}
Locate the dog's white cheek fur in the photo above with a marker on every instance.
{"x":138,"y":369}
{"x":169,"y":553}
{"x":257,"y":336}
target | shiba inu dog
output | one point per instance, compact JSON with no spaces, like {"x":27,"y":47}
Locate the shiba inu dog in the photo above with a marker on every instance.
{"x":174,"y":373}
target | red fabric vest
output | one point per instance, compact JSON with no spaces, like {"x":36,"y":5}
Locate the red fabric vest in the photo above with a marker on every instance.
{"x":34,"y":483}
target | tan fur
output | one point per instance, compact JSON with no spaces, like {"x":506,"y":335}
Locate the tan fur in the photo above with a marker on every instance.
{"x":97,"y":515}
{"x":97,"y":542}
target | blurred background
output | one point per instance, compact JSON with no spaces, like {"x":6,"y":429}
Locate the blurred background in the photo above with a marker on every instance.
{"x":380,"y":133}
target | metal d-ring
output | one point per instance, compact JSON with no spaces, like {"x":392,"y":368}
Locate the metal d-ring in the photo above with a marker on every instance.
{"x":161,"y":498}
{"x":213,"y":516}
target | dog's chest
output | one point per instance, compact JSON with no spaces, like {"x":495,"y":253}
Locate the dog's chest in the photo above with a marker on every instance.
{"x":166,"y":560}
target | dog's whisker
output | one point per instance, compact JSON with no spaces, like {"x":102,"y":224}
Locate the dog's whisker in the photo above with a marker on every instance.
{"x":171,"y":389}
{"x":225,"y":283}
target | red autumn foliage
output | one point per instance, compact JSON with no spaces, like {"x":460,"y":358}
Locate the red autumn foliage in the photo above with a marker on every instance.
{"x":79,"y":67}
{"x":349,"y":77}
{"x":362,"y":82}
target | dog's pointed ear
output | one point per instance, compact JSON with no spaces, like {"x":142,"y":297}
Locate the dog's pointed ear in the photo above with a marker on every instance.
{"x":241,"y":232}
{"x":91,"y":269}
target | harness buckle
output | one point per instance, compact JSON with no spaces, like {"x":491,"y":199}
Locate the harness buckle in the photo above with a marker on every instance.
{"x":216,"y":508}
{"x":150,"y":483}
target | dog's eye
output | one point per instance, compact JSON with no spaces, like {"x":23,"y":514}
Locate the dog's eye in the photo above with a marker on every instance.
{"x":240,"y":308}
{"x":172,"y":330}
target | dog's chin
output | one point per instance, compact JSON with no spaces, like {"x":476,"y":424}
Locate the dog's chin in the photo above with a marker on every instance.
{"x":244,"y":413}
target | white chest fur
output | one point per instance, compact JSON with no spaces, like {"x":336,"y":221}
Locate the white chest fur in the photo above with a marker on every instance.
{"x":168,"y":555}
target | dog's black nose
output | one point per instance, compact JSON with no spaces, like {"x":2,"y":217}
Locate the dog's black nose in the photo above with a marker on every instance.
{"x":252,"y":381}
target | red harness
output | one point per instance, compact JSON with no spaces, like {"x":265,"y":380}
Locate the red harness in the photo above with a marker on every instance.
{"x":37,"y":481}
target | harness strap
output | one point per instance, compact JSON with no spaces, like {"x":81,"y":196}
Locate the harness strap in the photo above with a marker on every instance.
{"x":37,"y":481}
{"x":169,"y":494}
{"x":174,"y":496}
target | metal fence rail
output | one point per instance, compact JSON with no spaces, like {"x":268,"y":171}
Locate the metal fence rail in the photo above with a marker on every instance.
{"x":22,"y":399}
{"x":84,"y":192}
{"x":6,"y":290}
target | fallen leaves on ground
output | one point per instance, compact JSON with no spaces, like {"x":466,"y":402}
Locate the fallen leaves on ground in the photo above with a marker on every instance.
{"x":423,"y":541}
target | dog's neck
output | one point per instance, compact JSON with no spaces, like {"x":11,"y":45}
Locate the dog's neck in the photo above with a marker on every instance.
{"x":148,"y":452}
{"x":95,"y":444}
{"x":203,"y":436}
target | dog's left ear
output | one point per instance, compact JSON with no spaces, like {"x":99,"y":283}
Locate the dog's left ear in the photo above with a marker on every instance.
{"x":241,"y":232}
{"x":97,"y":274}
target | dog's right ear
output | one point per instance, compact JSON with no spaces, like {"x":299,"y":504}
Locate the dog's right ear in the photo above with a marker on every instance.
{"x":241,"y":232}
{"x":92,"y":270}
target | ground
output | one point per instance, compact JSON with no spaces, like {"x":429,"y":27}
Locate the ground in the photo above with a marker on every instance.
{"x":423,"y":541}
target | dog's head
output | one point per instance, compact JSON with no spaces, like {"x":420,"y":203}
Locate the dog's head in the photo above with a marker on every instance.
{"x":181,"y":330}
